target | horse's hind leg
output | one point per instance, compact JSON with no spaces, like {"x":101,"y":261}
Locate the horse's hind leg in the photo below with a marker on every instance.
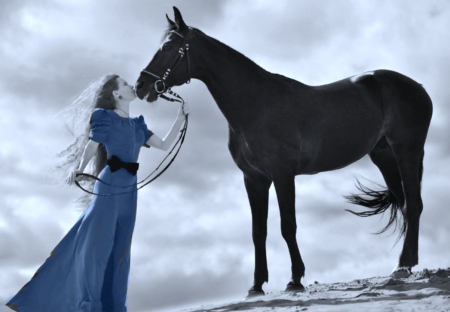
{"x":410,"y":162}
{"x":408,"y":115}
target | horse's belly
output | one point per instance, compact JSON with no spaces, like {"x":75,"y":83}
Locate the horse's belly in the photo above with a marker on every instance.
{"x":336,"y":151}
{"x":322,"y":164}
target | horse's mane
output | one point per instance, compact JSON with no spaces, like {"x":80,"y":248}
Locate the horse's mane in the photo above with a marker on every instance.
{"x":233,"y":51}
{"x":174,"y":27}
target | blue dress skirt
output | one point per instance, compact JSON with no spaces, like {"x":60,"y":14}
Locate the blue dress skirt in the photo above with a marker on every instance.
{"x":88,"y":270}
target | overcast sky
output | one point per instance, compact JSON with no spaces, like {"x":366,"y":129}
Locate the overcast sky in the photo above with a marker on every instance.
{"x":192,"y":241}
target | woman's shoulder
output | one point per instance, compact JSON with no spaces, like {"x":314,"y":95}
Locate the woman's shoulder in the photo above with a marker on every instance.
{"x":100,"y":113}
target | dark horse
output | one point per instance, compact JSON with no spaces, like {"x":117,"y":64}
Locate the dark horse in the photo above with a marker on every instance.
{"x":280,"y":128}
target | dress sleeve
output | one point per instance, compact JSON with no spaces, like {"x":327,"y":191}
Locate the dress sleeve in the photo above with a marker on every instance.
{"x":144,"y":129}
{"x":100,"y":125}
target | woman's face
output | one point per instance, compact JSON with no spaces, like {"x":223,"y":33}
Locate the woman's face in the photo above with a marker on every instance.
{"x":125,"y":90}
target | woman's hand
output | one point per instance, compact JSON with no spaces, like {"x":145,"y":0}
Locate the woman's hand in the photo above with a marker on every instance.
{"x":164,"y":144}
{"x":183,"y":111}
{"x":72,"y":177}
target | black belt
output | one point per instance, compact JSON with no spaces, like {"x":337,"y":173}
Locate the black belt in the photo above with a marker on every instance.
{"x":115,"y":164}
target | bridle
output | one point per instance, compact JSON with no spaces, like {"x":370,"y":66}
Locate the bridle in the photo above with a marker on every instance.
{"x":181,"y":51}
{"x":160,"y":84}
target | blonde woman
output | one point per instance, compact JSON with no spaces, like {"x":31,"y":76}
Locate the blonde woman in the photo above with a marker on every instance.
{"x":88,"y":270}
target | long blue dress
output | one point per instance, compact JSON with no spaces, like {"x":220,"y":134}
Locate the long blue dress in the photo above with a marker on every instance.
{"x":88,"y":270}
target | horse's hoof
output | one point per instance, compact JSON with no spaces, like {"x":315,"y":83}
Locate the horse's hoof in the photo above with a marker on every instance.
{"x":401,"y":272}
{"x":252,"y":293}
{"x":293,"y":288}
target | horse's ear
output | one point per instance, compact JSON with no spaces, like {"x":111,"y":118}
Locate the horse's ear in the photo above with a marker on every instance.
{"x":171,"y":23}
{"x":179,"y":19}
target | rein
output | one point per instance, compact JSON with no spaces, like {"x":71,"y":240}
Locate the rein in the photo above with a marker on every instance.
{"x":162,"y":90}
{"x":161,"y":93}
{"x":180,"y":141}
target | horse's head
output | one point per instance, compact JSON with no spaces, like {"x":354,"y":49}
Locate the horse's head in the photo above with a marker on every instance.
{"x":171,"y":64}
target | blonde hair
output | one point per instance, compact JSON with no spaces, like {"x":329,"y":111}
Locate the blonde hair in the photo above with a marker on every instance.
{"x":99,"y":94}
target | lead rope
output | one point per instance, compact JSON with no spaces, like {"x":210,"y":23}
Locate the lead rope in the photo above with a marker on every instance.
{"x":180,"y":140}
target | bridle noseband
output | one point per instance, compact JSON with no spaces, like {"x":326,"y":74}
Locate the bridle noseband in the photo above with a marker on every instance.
{"x":160,"y":84}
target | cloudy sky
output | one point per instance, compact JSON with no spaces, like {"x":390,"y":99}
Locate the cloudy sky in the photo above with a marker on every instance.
{"x":192,"y":241}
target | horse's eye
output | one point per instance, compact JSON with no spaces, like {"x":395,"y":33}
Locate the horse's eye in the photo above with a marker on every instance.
{"x":167,"y":47}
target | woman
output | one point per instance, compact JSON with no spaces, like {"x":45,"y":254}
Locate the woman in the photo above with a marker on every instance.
{"x":88,"y":270}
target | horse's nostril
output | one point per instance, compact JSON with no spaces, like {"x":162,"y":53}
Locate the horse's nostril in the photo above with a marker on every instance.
{"x":139,"y":85}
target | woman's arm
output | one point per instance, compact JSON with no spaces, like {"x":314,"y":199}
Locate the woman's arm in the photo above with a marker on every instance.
{"x":88,"y":153}
{"x":168,"y":140}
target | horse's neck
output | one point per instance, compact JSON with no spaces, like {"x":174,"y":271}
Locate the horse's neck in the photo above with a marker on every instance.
{"x":235,"y":82}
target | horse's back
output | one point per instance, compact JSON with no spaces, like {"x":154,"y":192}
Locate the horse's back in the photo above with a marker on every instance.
{"x":387,"y":96}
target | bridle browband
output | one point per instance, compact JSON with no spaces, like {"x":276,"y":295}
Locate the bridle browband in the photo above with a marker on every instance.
{"x":184,"y":49}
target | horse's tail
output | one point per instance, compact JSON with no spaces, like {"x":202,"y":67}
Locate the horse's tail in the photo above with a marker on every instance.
{"x":378,"y":202}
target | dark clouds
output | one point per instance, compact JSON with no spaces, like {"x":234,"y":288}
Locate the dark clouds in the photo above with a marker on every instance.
{"x":192,"y":242}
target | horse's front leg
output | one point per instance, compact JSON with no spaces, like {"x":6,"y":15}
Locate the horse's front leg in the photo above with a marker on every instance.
{"x":258,"y":196}
{"x":285,"y":189}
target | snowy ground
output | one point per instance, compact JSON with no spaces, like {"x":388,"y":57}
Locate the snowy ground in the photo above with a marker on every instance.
{"x":428,"y":290}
